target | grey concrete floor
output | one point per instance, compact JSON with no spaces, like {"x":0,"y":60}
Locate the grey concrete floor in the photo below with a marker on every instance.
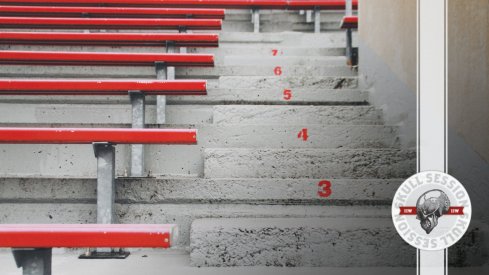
{"x":177,"y":263}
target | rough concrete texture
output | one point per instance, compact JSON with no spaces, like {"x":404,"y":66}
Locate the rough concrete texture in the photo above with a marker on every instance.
{"x":181,"y":73}
{"x":79,"y":161}
{"x":255,"y":164}
{"x":191,"y":114}
{"x":286,"y":82}
{"x":192,"y":190}
{"x":296,"y":115}
{"x":339,"y":242}
{"x":177,"y":263}
{"x":219,"y":97}
{"x":309,"y":163}
{"x":180,"y":213}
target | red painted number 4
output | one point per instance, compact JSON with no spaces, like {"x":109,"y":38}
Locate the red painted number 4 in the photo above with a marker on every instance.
{"x":277,"y":70}
{"x":324,"y":189}
{"x":303,"y":134}
{"x":287,"y":94}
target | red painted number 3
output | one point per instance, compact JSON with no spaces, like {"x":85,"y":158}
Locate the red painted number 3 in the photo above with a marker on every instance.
{"x":277,"y":70}
{"x":324,"y":189}
{"x":287,"y":94}
{"x":303,"y":134}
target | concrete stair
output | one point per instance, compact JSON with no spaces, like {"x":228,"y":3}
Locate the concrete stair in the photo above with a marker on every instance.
{"x":247,"y":194}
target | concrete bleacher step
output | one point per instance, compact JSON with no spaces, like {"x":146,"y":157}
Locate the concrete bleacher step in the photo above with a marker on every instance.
{"x":78,"y":160}
{"x":224,"y":49}
{"x":296,"y":39}
{"x":180,"y":213}
{"x":268,"y":70}
{"x":219,"y":97}
{"x":291,"y":242}
{"x":268,"y":27}
{"x":197,"y":190}
{"x":233,"y":60}
{"x":181,"y":73}
{"x":191,"y":114}
{"x":285,"y":82}
{"x":309,"y":163}
{"x":296,"y":115}
{"x":246,"y":50}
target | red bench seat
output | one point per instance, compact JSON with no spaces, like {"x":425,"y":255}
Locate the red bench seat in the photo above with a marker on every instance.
{"x":229,"y":4}
{"x":100,"y":87}
{"x":109,"y":23}
{"x":109,"y":39}
{"x":108,"y":12}
{"x":349,"y":22}
{"x":93,"y":135}
{"x":86,"y":235}
{"x":104,"y":58}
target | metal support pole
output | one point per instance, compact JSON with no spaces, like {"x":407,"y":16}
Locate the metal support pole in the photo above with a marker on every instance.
{"x":33,"y":261}
{"x":183,"y":30}
{"x":161,"y":73}
{"x":255,"y":18}
{"x":138,"y":119}
{"x":349,"y":8}
{"x":349,"y":47}
{"x":317,"y":20}
{"x":105,"y":154}
{"x":308,"y":16}
{"x":349,"y":40}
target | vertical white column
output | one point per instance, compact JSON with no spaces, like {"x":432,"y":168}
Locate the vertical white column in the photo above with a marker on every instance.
{"x":432,"y":91}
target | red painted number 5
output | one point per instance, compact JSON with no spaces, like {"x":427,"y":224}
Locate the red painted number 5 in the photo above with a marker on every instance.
{"x":324,"y":189}
{"x":287,"y":94}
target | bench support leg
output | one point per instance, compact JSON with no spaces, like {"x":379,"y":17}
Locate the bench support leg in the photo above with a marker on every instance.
{"x":34,"y":261}
{"x":255,"y":18}
{"x":164,"y":72}
{"x":317,"y":20}
{"x":138,"y":118}
{"x":105,"y":153}
{"x":183,"y":49}
{"x":308,"y":16}
{"x":349,"y":47}
{"x":161,"y":73}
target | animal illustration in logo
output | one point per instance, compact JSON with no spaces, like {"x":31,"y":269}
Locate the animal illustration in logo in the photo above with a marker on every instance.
{"x":430,"y":206}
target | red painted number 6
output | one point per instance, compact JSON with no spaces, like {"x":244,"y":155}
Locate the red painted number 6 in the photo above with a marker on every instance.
{"x":324,"y":189}
{"x":277,"y":70}
{"x":287,"y":94}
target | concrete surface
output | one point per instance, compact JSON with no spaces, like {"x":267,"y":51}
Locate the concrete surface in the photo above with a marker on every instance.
{"x":308,"y":163}
{"x":175,"y":262}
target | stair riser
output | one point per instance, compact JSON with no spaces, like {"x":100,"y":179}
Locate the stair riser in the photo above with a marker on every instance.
{"x":196,"y":190}
{"x":308,"y":163}
{"x":338,"y":242}
{"x":191,"y":114}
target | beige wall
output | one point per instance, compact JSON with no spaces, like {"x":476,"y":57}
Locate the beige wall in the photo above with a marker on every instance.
{"x":388,"y":27}
{"x":468,"y":72}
